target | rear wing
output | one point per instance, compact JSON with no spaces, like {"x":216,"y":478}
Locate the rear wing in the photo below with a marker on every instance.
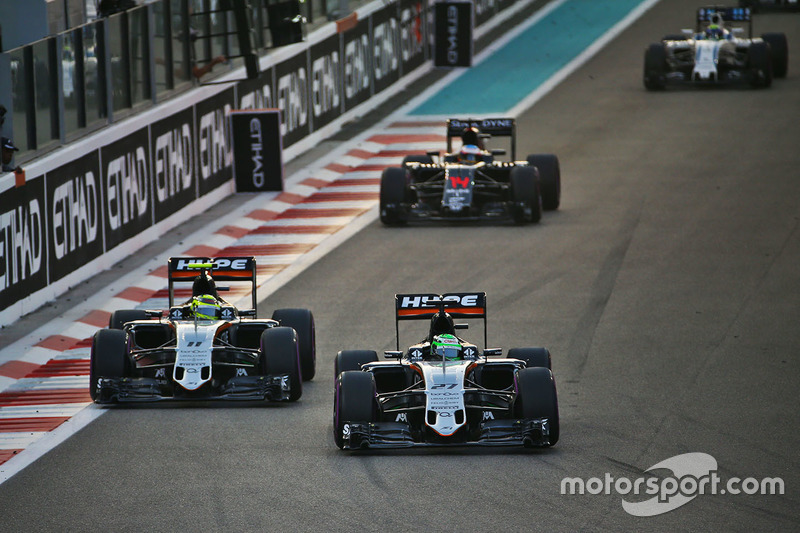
{"x":728,"y":14}
{"x":425,"y":306}
{"x":186,"y":269}
{"x":496,"y":127}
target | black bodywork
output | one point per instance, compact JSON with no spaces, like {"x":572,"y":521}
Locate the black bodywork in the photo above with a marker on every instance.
{"x":438,"y":187}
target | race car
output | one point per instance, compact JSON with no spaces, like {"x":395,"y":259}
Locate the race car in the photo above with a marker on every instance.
{"x":443,"y":390}
{"x":204,"y":348}
{"x":470,"y":184}
{"x":716,"y":53}
{"x":770,"y":5}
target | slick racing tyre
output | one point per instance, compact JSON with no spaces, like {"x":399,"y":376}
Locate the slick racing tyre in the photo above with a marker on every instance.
{"x":302,"y":321}
{"x":354,"y":401}
{"x":108,"y":359}
{"x":525,"y":195}
{"x":549,"y":179}
{"x":655,"y":67}
{"x":674,"y":37}
{"x":537,"y":398}
{"x":392,"y":196}
{"x":779,"y":50}
{"x":121,"y":317}
{"x":759,"y":65}
{"x":425,"y":159}
{"x":533,"y":357}
{"x":280,"y":355}
{"x":347,"y":360}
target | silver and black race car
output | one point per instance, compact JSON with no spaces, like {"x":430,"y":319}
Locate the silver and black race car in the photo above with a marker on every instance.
{"x":443,"y":390}
{"x":471,"y":184}
{"x":204,"y":348}
{"x":716,"y":52}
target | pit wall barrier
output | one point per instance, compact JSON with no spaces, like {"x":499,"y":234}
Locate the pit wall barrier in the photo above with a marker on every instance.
{"x":94,"y":202}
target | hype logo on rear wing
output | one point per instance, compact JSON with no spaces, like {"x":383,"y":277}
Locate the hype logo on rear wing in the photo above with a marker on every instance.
{"x":186,"y":269}
{"x":425,"y":306}
{"x":456,"y":304}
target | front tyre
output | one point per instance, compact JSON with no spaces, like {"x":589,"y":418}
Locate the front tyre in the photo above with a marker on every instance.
{"x":525,"y":196}
{"x":549,"y":179}
{"x":537,"y":398}
{"x":655,"y":67}
{"x":759,"y":65}
{"x":108,"y":359}
{"x":302,"y":321}
{"x":354,"y":401}
{"x":393,"y":212}
{"x":779,"y":50}
{"x":280,"y":354}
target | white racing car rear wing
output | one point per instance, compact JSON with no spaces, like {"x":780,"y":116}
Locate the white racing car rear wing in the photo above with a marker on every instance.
{"x":705,"y":15}
{"x":425,"y":306}
{"x":186,"y":269}
{"x":496,"y":127}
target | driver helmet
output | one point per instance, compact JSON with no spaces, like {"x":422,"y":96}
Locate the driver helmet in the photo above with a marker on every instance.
{"x":714,"y":31}
{"x":469,"y":154}
{"x":446,"y":346}
{"x":205,"y":307}
{"x":472,"y":135}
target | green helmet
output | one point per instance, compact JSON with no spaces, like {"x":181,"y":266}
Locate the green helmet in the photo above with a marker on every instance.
{"x":205,"y":307}
{"x":446,"y":346}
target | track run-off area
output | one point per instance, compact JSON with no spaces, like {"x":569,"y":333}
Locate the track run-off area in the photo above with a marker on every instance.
{"x":665,"y":287}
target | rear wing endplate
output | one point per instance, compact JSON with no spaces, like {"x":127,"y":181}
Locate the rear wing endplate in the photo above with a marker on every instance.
{"x":425,"y":306}
{"x":496,"y":127}
{"x":186,"y":269}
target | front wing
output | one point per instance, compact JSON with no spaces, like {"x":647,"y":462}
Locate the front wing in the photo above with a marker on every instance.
{"x":124,"y":390}
{"x":512,"y":432}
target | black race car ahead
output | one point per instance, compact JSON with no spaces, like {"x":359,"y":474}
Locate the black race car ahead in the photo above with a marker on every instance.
{"x":224,"y":353}
{"x":443,"y":390}
{"x":448,"y":187}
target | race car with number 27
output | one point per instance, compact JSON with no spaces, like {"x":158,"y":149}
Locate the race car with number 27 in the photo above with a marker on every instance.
{"x":444,"y":390}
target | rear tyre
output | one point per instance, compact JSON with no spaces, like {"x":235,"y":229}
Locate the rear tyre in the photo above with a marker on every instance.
{"x":525,"y":195}
{"x":549,"y":179}
{"x":424,"y":159}
{"x":108,"y":359}
{"x":759,"y":65}
{"x":354,"y":401}
{"x":537,"y":398}
{"x":280,"y":355}
{"x":392,"y":194}
{"x":347,"y":360}
{"x":779,"y":50}
{"x":302,"y":321}
{"x":533,"y":357}
{"x":655,"y":67}
{"x":119,"y":318}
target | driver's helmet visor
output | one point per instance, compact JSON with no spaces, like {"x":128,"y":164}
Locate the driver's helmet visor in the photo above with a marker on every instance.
{"x":208,"y":312}
{"x":448,"y":351}
{"x":206,"y":308}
